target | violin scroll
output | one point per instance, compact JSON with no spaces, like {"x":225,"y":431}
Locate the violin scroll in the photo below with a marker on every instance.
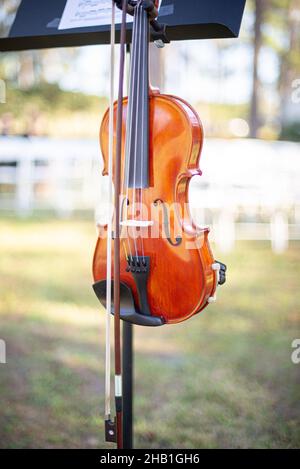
{"x":157,"y":29}
{"x":150,"y":6}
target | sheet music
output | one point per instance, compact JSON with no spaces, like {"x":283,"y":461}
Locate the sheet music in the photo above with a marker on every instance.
{"x":87,"y":13}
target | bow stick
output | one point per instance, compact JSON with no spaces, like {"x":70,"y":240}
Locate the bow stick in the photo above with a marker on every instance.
{"x":114,"y":429}
{"x":109,"y":425}
{"x":117,"y":322}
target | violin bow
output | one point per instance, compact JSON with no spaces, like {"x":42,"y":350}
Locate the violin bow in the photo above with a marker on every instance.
{"x":114,"y":430}
{"x":109,"y":425}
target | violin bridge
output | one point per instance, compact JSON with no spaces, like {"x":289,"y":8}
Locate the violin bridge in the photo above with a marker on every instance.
{"x":137,"y":223}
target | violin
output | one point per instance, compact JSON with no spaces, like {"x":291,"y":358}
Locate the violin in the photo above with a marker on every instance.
{"x":167,"y":270}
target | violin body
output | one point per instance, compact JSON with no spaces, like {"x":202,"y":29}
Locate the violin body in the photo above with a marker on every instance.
{"x":181,"y":280}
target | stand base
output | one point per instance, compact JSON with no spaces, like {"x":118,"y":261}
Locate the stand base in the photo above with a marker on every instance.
{"x":128,"y":311}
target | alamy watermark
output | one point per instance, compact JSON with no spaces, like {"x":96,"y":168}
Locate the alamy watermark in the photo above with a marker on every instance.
{"x":295,"y":357}
{"x":158,"y":220}
{"x":2,"y":351}
{"x":2,"y":92}
{"x":296,"y":91}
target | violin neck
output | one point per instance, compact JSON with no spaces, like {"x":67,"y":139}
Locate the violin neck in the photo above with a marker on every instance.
{"x":137,"y":135}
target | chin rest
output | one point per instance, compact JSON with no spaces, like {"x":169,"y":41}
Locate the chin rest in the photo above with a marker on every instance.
{"x":128,"y":310}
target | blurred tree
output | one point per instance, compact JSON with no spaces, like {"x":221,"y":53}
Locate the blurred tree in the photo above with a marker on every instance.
{"x":276,"y":26}
{"x":259,"y":16}
{"x":29,"y":68}
{"x":289,"y":60}
{"x":8,"y":10}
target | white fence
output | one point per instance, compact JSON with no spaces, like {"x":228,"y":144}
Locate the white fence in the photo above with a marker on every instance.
{"x":249,"y":189}
{"x":46,"y":174}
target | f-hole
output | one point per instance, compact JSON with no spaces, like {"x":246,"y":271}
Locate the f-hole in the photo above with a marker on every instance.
{"x":178,"y":239}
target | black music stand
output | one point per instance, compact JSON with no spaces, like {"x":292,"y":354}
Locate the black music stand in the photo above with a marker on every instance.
{"x":36,"y":27}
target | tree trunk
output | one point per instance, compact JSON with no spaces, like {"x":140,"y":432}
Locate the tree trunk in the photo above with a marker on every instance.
{"x":254,"y":109}
{"x":289,"y":70}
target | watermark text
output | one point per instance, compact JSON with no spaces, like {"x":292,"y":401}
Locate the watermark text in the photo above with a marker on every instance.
{"x":296,"y":91}
{"x":295,"y":357}
{"x":2,"y":92}
{"x":2,"y":351}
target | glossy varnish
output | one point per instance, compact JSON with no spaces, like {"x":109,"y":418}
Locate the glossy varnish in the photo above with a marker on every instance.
{"x":181,"y":279}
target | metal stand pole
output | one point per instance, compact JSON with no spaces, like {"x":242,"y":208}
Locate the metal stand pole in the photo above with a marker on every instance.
{"x":127,"y":385}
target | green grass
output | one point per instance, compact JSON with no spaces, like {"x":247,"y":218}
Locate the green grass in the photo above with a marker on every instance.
{"x":222,"y":379}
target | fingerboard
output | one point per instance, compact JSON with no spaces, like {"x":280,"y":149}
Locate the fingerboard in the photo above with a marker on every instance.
{"x":137,"y":128}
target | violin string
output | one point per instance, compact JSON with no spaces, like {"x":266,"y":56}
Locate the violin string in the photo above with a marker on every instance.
{"x":141,"y":104}
{"x":139,"y":10}
{"x":144,"y":45}
{"x":137,"y":104}
{"x":134,"y":119}
{"x":109,"y":225}
{"x":129,"y":131}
